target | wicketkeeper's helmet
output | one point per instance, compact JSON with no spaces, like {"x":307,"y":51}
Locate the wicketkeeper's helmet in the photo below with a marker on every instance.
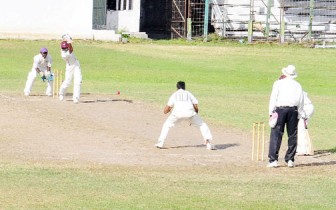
{"x":43,"y":50}
{"x":64,"y":45}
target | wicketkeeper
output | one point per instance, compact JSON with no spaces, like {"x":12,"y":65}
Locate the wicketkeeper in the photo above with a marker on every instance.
{"x":41,"y":66}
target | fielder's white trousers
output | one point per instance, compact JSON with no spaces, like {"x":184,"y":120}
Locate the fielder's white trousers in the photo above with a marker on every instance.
{"x":72,"y":72}
{"x":195,"y":120}
{"x":30,"y":81}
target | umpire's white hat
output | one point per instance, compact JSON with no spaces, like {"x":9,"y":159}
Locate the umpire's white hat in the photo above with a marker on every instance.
{"x":289,"y":71}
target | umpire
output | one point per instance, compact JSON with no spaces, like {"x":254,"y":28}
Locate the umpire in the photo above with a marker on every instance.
{"x":287,"y":100}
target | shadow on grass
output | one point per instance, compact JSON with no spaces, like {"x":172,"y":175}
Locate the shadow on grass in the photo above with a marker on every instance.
{"x":321,"y":153}
{"x":187,"y":146}
{"x":328,"y":163}
{"x":216,"y":147}
{"x":333,"y":150}
{"x":225,"y":146}
{"x":109,"y":100}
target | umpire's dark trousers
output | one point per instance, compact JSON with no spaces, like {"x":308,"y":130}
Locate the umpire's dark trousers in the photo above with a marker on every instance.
{"x":286,"y":116}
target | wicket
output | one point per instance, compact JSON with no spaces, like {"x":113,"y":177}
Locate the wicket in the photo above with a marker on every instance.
{"x":57,"y":82}
{"x":258,"y":140}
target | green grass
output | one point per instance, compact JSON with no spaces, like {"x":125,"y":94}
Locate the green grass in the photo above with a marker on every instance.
{"x":40,"y":187}
{"x":232,"y":82}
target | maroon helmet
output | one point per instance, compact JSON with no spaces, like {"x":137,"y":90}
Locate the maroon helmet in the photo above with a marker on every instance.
{"x":64,"y":45}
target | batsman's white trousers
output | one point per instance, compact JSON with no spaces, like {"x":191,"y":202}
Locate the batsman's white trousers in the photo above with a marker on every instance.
{"x":72,"y":72}
{"x":30,"y":81}
{"x":195,"y":120}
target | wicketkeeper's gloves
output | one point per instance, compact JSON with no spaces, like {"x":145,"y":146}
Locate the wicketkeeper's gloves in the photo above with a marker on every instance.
{"x":43,"y":78}
{"x":50,"y":77}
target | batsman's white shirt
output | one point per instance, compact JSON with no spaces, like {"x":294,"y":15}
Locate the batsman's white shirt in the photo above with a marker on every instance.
{"x":182,"y":102}
{"x":41,"y":62}
{"x":69,"y":58}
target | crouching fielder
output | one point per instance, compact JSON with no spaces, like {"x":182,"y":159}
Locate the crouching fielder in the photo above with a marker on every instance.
{"x":184,"y":106}
{"x":72,"y":71}
{"x":41,"y":66}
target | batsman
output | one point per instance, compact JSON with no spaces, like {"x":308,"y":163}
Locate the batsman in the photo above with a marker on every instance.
{"x":41,"y":66}
{"x":72,"y":71}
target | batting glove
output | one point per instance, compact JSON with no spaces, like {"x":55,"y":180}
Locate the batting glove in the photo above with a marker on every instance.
{"x":67,"y":38}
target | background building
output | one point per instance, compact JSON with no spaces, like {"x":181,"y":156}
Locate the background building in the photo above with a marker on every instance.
{"x":288,"y":20}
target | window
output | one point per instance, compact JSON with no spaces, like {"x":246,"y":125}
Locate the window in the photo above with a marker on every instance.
{"x":130,"y":4}
{"x":111,"y":4}
{"x":119,"y":4}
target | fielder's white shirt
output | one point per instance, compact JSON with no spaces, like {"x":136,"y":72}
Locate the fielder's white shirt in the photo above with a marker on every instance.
{"x":287,"y":92}
{"x":42,"y":63}
{"x":182,"y":102}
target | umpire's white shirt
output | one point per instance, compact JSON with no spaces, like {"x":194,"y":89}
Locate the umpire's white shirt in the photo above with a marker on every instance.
{"x":182,"y":102}
{"x":286,"y":92}
{"x":41,"y":62}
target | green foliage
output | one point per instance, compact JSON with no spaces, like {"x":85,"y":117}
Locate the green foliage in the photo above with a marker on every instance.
{"x":125,"y":35}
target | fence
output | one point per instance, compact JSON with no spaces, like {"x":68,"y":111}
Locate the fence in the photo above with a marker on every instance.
{"x":283,"y":20}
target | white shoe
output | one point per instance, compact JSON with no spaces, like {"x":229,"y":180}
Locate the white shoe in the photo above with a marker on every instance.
{"x":26,"y":94}
{"x":290,"y":164}
{"x":61,"y":97}
{"x":273,"y":164}
{"x":159,"y":145}
{"x":49,"y":94}
{"x":75,"y":101}
{"x":209,"y":146}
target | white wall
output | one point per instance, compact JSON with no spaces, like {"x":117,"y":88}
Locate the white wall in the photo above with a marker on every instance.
{"x":125,"y":20}
{"x":45,"y":19}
